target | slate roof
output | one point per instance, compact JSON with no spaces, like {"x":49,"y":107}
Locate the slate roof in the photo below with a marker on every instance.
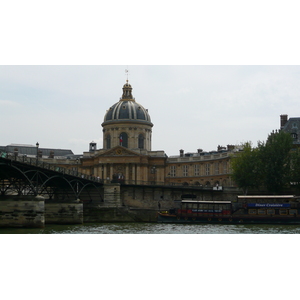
{"x":293,"y":127}
{"x":31,"y":150}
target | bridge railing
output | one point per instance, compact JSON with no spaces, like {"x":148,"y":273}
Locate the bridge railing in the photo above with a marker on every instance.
{"x":52,"y":167}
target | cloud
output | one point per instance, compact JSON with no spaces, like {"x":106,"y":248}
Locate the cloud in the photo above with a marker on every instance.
{"x":9,"y":103}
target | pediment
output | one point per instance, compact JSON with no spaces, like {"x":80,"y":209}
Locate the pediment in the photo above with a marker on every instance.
{"x":119,"y":151}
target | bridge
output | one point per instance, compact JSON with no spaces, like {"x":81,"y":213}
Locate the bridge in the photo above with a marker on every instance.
{"x":70,"y":197}
{"x":24,"y":176}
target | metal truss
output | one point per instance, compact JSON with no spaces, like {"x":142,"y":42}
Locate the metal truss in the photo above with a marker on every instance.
{"x":22,"y":179}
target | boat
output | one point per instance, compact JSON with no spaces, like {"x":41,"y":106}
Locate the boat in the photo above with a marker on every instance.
{"x":258,"y":209}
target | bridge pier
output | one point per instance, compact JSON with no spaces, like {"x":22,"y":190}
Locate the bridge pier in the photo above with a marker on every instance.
{"x":18,"y":211}
{"x":34,"y":212}
{"x":112,"y":194}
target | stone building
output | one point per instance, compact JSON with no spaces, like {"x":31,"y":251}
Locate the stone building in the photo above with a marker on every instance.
{"x":127,"y":156}
{"x":292,"y":126}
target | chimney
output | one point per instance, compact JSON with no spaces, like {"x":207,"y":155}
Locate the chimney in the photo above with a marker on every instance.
{"x":181,"y":152}
{"x":93,"y":146}
{"x":283,"y":120}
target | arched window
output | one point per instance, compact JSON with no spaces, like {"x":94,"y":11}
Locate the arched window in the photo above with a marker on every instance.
{"x":108,"y":144}
{"x":123,"y":139}
{"x":141,"y":141}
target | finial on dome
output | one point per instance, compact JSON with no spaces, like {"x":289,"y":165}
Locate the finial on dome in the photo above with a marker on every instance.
{"x":127,"y":73}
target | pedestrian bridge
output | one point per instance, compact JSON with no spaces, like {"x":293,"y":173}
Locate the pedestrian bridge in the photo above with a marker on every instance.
{"x":24,"y":176}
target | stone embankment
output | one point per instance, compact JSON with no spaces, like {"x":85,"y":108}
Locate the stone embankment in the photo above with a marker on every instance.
{"x":16,"y":211}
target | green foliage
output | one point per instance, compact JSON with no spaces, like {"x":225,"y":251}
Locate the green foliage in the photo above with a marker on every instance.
{"x":295,"y":168}
{"x":245,"y":166}
{"x":268,"y":165}
{"x":275,"y":158}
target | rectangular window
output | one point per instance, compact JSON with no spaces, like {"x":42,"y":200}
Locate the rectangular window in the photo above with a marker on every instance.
{"x":185,"y":170}
{"x":196,"y":170}
{"x":173,"y":171}
{"x":207,"y":169}
{"x":270,"y":211}
{"x":225,"y":167}
{"x":216,"y":168}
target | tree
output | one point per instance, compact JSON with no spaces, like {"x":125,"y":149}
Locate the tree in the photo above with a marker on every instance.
{"x":245,"y":167}
{"x":295,"y":168}
{"x":275,"y":157}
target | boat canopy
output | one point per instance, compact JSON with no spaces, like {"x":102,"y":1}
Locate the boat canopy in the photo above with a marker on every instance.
{"x":206,"y":202}
{"x":267,"y":197}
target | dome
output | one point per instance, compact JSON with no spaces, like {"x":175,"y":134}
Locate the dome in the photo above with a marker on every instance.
{"x":127,"y":109}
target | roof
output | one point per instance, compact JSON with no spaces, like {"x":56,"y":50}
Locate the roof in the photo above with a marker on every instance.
{"x":292,"y":126}
{"x":267,"y":197}
{"x":31,"y":150}
{"x":206,"y":202}
{"x":127,"y":109}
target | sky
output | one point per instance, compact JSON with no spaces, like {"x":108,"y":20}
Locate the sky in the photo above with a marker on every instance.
{"x":209,"y":76}
{"x":191,"y":106}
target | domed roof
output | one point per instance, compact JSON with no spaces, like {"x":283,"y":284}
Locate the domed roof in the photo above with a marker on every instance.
{"x":127,"y":109}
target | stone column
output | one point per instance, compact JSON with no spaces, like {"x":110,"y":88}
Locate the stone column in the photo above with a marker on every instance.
{"x":145,"y":173}
{"x":133,"y":179}
{"x":138,"y":174}
{"x":104,"y":172}
{"x":127,"y":173}
{"x":111,"y":171}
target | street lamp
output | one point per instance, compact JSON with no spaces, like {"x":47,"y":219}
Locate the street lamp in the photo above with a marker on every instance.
{"x":37,"y":153}
{"x":77,"y":161}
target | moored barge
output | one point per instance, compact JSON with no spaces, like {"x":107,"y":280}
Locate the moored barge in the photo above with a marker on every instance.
{"x":283,"y":209}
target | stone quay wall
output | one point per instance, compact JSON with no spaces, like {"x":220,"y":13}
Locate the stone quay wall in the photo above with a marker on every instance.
{"x":141,"y":203}
{"x":120,"y":203}
{"x":64,"y":213}
{"x":30,"y":211}
{"x":22,"y":213}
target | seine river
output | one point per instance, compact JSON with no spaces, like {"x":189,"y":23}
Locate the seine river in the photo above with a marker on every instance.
{"x":155,"y":228}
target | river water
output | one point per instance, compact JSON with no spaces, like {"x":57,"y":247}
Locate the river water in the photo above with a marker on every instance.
{"x":151,"y":260}
{"x":156,"y":228}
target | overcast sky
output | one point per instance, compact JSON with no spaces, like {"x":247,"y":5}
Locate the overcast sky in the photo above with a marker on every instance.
{"x":191,"y":107}
{"x":213,"y":74}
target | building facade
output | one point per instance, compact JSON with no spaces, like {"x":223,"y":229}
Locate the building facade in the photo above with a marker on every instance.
{"x":292,"y":126}
{"x":127,"y":155}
